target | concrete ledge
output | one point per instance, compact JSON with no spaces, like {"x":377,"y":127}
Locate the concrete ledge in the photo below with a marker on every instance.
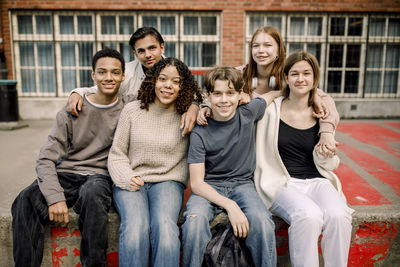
{"x":40,"y":108}
{"x":370,"y":108}
{"x":12,"y":125}
{"x":375,"y":240}
{"x":47,"y":107}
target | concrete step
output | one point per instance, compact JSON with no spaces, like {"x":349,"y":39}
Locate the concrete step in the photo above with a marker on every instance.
{"x":369,"y":172}
{"x":375,"y":241}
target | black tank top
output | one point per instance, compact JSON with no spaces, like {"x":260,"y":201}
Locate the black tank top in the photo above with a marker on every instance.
{"x":295,"y":148}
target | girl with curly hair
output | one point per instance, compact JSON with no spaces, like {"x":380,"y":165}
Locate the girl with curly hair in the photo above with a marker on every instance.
{"x":147,"y":163}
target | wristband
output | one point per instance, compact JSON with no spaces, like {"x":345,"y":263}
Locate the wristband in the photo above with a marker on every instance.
{"x":205,"y":105}
{"x":194,"y":102}
{"x":333,"y":133}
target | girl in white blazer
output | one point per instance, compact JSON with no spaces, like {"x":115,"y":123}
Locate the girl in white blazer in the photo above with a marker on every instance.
{"x":313,"y":202}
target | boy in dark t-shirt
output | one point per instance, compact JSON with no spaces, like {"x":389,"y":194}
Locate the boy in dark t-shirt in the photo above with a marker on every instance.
{"x":221,"y":163}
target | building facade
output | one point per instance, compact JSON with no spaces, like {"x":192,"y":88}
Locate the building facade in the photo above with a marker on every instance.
{"x":47,"y":46}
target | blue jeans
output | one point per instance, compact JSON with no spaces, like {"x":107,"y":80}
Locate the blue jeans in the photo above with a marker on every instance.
{"x":91,"y":198}
{"x":196,"y":229}
{"x":149,"y":217}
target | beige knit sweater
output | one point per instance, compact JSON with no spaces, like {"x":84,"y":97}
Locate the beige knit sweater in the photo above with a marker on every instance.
{"x":148,"y":144}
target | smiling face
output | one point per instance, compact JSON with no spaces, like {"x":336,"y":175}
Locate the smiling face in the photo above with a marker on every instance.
{"x":264,"y":49}
{"x":224,"y":100}
{"x":108,"y":76}
{"x":300,"y":79}
{"x":148,"y":50}
{"x":167,"y":87}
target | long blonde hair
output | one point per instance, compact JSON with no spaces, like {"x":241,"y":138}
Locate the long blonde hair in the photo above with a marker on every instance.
{"x":250,"y":71}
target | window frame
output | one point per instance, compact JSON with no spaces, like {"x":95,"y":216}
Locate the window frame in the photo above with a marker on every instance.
{"x":200,"y":38}
{"x":326,"y":39}
{"x":33,"y":38}
{"x":97,"y":38}
{"x":384,"y":40}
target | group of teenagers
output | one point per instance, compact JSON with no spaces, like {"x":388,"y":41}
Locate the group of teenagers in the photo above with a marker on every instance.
{"x":261,"y":147}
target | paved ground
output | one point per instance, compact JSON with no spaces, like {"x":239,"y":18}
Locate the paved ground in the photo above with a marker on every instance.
{"x":369,"y":152}
{"x":19,"y":150}
{"x":369,"y":171}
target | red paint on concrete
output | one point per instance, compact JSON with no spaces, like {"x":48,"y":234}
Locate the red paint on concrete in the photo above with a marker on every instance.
{"x":393,"y":124}
{"x":57,"y":254}
{"x":76,"y":233}
{"x":371,"y":243}
{"x":357,"y":190}
{"x":57,"y":234}
{"x":77,"y":252}
{"x":374,"y":166}
{"x":57,"y":231}
{"x":112,"y":259}
{"x":372,"y":134}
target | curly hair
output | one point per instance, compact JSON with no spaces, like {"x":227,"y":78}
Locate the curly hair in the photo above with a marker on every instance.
{"x":250,"y":70}
{"x":189,"y":88}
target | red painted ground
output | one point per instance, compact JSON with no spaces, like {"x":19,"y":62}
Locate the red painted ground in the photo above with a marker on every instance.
{"x":393,"y":124}
{"x":357,"y":190}
{"x":57,"y":252}
{"x":371,"y":243}
{"x":372,"y":240}
{"x":374,"y":166}
{"x":373,"y":134}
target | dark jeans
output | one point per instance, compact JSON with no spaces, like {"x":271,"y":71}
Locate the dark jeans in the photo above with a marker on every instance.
{"x":91,"y":198}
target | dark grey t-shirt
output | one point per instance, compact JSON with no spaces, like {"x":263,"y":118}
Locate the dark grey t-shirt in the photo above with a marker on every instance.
{"x":228,"y":147}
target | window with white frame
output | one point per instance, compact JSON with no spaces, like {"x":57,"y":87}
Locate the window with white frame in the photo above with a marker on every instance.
{"x":346,"y":46}
{"x":115,"y":31}
{"x":383,"y":56}
{"x":359,"y":54}
{"x":34,"y":53}
{"x":200,"y":40}
{"x":53,"y":50}
{"x":75,"y":45}
{"x":167,"y":25}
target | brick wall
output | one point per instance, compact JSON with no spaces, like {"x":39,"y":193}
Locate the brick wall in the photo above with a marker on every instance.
{"x":233,"y":15}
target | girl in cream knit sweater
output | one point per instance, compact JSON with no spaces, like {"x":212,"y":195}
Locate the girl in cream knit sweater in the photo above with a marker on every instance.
{"x":147,"y":163}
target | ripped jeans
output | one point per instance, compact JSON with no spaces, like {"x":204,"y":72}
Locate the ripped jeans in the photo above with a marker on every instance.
{"x":196,"y":230}
{"x":89,"y":195}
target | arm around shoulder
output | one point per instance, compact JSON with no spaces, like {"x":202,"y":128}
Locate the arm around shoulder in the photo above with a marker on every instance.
{"x":84,"y":90}
{"x":75,"y":99}
{"x":330,"y":123}
{"x":270,"y":96}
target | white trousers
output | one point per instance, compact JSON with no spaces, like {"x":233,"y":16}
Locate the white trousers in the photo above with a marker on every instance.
{"x":311,"y":207}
